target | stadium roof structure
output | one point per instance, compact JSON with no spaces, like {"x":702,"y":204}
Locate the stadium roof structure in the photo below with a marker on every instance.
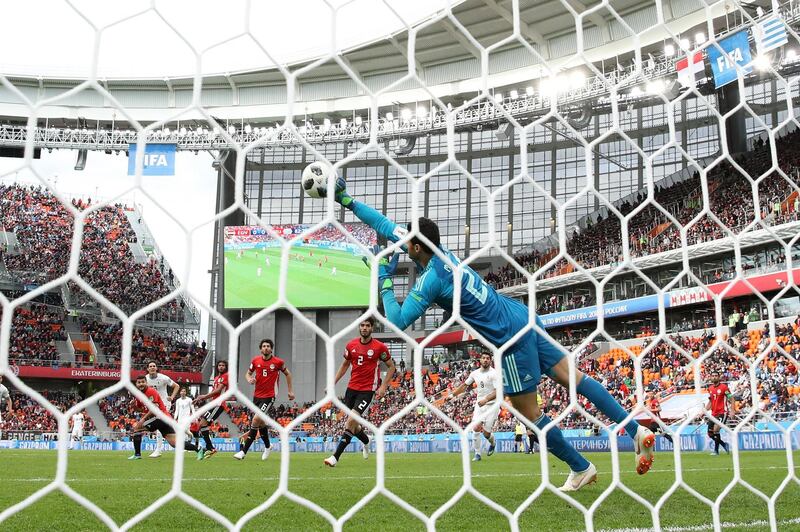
{"x":446,"y":58}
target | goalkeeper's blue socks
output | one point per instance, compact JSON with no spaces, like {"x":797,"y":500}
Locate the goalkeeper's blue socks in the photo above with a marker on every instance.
{"x":605,"y":402}
{"x":561,"y":448}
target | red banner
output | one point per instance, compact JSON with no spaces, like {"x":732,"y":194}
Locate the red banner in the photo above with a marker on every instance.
{"x":97,"y":374}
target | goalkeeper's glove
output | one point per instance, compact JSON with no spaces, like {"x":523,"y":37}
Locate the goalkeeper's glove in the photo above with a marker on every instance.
{"x":341,"y":196}
{"x":386,"y":270}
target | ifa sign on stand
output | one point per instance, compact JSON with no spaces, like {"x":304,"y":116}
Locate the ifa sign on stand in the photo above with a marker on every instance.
{"x":735,"y":59}
{"x":159,"y":159}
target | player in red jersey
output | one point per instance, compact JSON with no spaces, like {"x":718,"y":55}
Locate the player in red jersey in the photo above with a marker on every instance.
{"x":150,"y":423}
{"x":655,"y":409}
{"x":264,"y":372}
{"x":219,"y":387}
{"x":720,"y":403}
{"x":362,"y":355}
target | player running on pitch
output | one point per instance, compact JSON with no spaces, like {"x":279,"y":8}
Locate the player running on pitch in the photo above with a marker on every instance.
{"x":161,"y":382}
{"x":219,"y":387}
{"x":487,"y":408}
{"x":498,"y":319}
{"x":363,"y":355}
{"x":150,"y":423}
{"x":264,"y":372}
{"x":720,"y":403}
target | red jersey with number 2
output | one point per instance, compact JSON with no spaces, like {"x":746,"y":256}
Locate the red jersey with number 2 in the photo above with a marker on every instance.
{"x":718,"y":395}
{"x":365,"y":375}
{"x":267,"y":372}
{"x":152,"y":394}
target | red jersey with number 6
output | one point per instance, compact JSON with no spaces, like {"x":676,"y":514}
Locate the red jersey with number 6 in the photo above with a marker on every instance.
{"x":365,"y":374}
{"x":718,"y":396}
{"x":266,"y":372}
{"x":152,"y":394}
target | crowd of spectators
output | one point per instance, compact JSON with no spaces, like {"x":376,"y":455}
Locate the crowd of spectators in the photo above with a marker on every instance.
{"x":30,"y":416}
{"x":44,"y":228}
{"x":35,"y":329}
{"x":172,"y":349}
{"x":650,"y":231}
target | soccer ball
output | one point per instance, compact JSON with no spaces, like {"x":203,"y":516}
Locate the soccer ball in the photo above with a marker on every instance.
{"x":315,"y":179}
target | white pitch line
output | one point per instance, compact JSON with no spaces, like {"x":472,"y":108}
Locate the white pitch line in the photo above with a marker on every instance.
{"x":332,"y":477}
{"x":707,"y":526}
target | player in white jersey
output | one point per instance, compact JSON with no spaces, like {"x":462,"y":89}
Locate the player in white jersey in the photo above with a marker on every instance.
{"x":76,"y":435}
{"x":184,"y":408}
{"x":160,"y":382}
{"x":487,"y":407}
{"x":5,"y":398}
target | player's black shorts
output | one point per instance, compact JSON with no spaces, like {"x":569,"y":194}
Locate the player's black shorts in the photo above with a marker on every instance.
{"x":213,"y":414}
{"x":358,"y":400}
{"x":517,"y":437}
{"x":723,"y":422}
{"x":264,"y":403}
{"x":154,"y":424}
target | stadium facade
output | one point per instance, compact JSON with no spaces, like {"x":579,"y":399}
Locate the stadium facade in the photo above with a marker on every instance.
{"x":591,"y":136}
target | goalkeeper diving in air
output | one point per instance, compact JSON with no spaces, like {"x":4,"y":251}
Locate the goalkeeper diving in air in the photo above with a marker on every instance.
{"x":497,"y":318}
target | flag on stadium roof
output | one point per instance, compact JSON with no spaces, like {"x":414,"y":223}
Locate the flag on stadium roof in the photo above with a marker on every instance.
{"x":769,"y":34}
{"x":690,"y":67}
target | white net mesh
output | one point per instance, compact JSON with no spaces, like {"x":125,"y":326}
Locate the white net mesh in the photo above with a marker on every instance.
{"x":650,"y":232}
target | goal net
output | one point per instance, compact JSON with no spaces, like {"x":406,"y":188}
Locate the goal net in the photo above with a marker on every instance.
{"x":617,"y":183}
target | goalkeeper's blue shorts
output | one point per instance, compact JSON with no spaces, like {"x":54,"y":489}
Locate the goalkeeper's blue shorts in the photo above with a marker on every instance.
{"x":526,"y":361}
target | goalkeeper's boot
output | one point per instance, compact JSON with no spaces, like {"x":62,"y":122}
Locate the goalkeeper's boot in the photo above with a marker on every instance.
{"x":200,"y":453}
{"x":644,"y":444}
{"x":476,"y":458}
{"x":576,"y":481}
{"x":135,"y":457}
{"x":209,"y":454}
{"x":330,"y":461}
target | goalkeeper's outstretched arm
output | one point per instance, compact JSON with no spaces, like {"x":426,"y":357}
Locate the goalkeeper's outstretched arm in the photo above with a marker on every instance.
{"x":422,"y":295}
{"x":382,"y":225}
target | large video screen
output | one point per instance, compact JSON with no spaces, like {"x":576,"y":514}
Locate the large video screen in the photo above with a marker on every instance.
{"x":325,"y":269}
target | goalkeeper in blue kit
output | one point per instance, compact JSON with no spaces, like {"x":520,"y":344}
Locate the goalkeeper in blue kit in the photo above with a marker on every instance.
{"x":497,"y":318}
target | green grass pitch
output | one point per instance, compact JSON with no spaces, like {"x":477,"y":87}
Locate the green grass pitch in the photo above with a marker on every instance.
{"x":123,"y":488}
{"x":309,"y":285}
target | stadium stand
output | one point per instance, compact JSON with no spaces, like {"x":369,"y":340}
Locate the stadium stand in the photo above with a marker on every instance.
{"x":651,"y":232}
{"x":43,"y":228}
{"x":172,"y":349}
{"x":30,"y":416}
{"x":35,"y":331}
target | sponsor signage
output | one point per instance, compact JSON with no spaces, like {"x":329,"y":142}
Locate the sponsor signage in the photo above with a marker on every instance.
{"x":735,"y":59}
{"x":158,"y":159}
{"x":47,"y":372}
{"x":447,"y":443}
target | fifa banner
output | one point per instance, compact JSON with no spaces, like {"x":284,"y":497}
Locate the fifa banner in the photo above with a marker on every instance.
{"x":674,"y":298}
{"x":445,"y":443}
{"x":726,"y":67}
{"x":159,"y":159}
{"x":97,"y":374}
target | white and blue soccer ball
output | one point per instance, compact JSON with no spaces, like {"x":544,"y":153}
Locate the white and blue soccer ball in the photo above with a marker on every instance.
{"x":315,"y":179}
